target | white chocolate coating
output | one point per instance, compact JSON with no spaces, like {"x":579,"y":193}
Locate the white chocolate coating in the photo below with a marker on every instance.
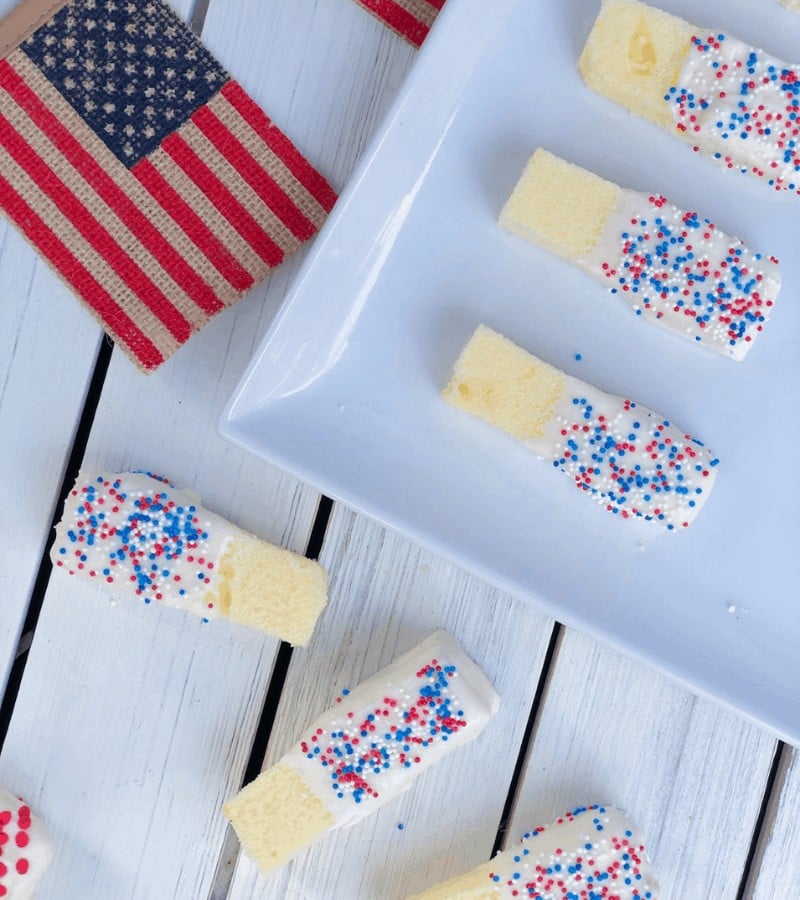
{"x":370,"y":746}
{"x":591,"y":849}
{"x":141,"y":536}
{"x":25,"y":849}
{"x":737,"y":105}
{"x":631,"y":459}
{"x":684,"y":274}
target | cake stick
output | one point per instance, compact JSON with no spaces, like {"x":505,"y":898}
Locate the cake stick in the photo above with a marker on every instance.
{"x":591,"y":852}
{"x":364,"y":751}
{"x":731,"y":101}
{"x":137,"y":534}
{"x":674,"y":268}
{"x":632,"y":460}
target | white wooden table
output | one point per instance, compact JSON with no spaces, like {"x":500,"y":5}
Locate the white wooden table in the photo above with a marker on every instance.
{"x":126,"y":727}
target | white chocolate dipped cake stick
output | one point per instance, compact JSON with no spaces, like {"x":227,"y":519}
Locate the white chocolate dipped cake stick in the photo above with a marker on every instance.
{"x":731,"y":101}
{"x":25,"y":848}
{"x":591,"y":852}
{"x":632,"y":460}
{"x":674,"y":268}
{"x":137,"y":534}
{"x":364,"y":751}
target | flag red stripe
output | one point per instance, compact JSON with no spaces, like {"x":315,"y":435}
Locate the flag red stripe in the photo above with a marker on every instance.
{"x":106,"y":187}
{"x":78,"y":276}
{"x":398,"y":18}
{"x":182,"y":154}
{"x":437,"y":4}
{"x":195,"y":228}
{"x":93,"y":231}
{"x":280,"y":145}
{"x":229,"y":146}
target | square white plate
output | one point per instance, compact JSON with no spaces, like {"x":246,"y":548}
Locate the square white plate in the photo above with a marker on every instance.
{"x":344,"y":391}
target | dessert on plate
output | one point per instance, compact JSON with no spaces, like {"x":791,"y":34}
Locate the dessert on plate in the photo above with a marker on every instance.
{"x":137,"y":534}
{"x":364,"y":751}
{"x":735,"y":103}
{"x":590,"y":853}
{"x":674,"y":268}
{"x":632,"y":460}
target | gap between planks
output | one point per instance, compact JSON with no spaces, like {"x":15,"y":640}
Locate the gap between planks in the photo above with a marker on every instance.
{"x":45,"y":568}
{"x":230,"y":849}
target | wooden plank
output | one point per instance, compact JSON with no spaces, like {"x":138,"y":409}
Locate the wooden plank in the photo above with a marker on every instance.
{"x":325,"y":71}
{"x":174,"y":702}
{"x":133,"y":723}
{"x":48,"y":346}
{"x":47,"y":351}
{"x":131,"y":708}
{"x":387,"y":594}
{"x":776,"y":869}
{"x":690,"y":773}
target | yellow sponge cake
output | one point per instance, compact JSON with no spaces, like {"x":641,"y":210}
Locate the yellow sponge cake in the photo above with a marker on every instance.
{"x":561,"y":207}
{"x":634,"y":55}
{"x":277,"y":815}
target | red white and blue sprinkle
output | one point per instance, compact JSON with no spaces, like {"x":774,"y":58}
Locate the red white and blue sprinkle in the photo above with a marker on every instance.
{"x":588,"y":854}
{"x":683,"y":273}
{"x":362,"y":748}
{"x":139,"y":534}
{"x":629,"y":458}
{"x":740,"y":106}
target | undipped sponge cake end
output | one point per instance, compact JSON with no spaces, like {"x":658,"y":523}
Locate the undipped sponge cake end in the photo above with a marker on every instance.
{"x":270,"y":588}
{"x":500,"y":382}
{"x":276,"y":815}
{"x":634,"y":55}
{"x":559,"y":206}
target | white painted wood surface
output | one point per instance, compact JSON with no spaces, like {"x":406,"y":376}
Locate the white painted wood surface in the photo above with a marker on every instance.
{"x":690,"y":774}
{"x":142,"y":719}
{"x":777,"y":870}
{"x":402,"y":594}
{"x":47,"y":352}
{"x":134,"y":724}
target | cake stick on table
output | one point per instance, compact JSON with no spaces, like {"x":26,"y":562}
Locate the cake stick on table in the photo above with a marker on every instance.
{"x":674,"y":268}
{"x":25,"y":849}
{"x":138,"y":534}
{"x":731,"y":101}
{"x":592,"y":852}
{"x":364,"y":751}
{"x":632,"y":460}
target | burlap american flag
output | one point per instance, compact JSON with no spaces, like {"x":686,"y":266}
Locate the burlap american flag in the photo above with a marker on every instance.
{"x":411,"y":19}
{"x":143,"y":173}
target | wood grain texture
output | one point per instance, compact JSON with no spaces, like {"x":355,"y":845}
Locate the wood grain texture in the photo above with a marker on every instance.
{"x":325,"y":71}
{"x":691,"y":774}
{"x":134,"y":723}
{"x":776,"y":868}
{"x":388,"y":594}
{"x":171,"y":700}
{"x":47,"y":352}
{"x":48,"y":346}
